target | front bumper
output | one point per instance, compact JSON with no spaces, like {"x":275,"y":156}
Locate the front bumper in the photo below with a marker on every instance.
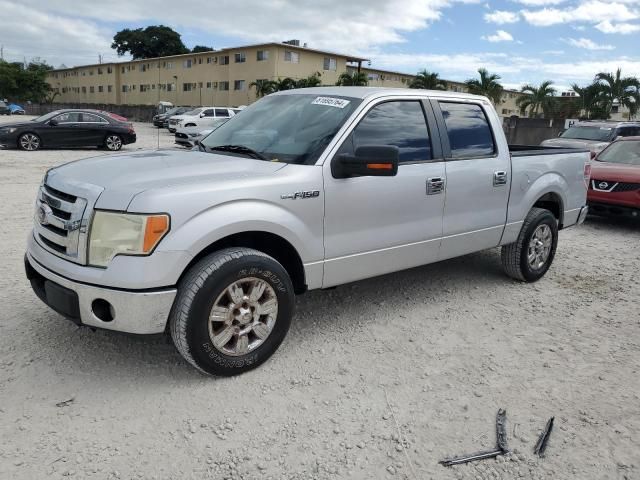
{"x":130,"y":311}
{"x":613,"y":210}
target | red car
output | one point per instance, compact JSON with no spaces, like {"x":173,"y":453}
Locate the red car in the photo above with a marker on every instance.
{"x":614,"y":187}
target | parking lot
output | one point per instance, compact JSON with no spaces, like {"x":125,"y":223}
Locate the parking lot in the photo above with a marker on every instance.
{"x":377,"y":379}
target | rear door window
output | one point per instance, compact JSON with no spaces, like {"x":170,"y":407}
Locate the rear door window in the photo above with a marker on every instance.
{"x":91,"y":118}
{"x":468,"y":130}
{"x":398,"y":123}
{"x":628,"y":131}
{"x":222,"y":112}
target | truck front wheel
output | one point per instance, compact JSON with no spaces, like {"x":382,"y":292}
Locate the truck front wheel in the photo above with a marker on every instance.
{"x":232,"y":311}
{"x":529,"y":258}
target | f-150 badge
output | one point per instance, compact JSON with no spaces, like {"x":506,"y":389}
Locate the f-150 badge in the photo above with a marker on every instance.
{"x":296,"y":195}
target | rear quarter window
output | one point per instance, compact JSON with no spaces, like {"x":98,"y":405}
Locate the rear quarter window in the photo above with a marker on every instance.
{"x":468,"y":130}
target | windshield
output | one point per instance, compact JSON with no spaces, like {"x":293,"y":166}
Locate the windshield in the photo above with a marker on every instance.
{"x":192,"y":113}
{"x":284,"y":128}
{"x":47,"y":116}
{"x":627,"y":152}
{"x":600,"y":134}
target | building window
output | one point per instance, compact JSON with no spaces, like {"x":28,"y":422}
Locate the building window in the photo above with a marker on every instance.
{"x":187,"y":64}
{"x":238,"y":85}
{"x":373,"y":76}
{"x":91,"y":90}
{"x":199,"y":84}
{"x":212,"y":59}
{"x":171,"y":87}
{"x":84,"y":89}
{"x":121,"y":69}
{"x":109,"y":88}
{"x":240,"y":57}
{"x":145,"y":88}
{"x":91,"y":72}
{"x":224,"y":86}
{"x":224,"y":60}
{"x":330,"y":64}
{"x":293,"y":57}
{"x":262,"y":55}
{"x":200,"y":61}
{"x":99,"y":71}
{"x":187,"y":87}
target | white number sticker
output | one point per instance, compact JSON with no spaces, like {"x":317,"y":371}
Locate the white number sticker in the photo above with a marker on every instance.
{"x":331,"y":102}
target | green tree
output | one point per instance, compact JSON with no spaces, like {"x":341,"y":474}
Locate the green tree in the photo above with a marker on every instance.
{"x":537,"y":98}
{"x":24,"y":83}
{"x":152,"y":41}
{"x":310,"y":81}
{"x":264,"y":87}
{"x":590,"y":100}
{"x":428,"y":81}
{"x":486,"y":85}
{"x":201,"y":48}
{"x":355,"y":79}
{"x":286,"y":83}
{"x":619,"y":89}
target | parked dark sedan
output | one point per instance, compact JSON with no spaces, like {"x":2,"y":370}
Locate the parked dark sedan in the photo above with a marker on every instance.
{"x":160,"y":119}
{"x":68,"y":128}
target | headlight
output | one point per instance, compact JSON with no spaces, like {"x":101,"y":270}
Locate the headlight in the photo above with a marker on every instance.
{"x":124,"y":234}
{"x":8,"y":130}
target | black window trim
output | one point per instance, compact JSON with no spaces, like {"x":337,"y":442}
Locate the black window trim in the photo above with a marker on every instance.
{"x":427,"y":113}
{"x":444,"y":136}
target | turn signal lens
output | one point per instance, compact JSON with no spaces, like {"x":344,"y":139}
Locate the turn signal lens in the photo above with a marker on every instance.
{"x":155,"y":229}
{"x":587,"y":174}
{"x":380,"y":166}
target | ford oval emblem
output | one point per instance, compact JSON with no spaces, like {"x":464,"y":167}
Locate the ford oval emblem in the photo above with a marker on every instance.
{"x":603,"y":185}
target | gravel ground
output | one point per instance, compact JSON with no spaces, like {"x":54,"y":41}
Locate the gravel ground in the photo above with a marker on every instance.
{"x":377,"y":379}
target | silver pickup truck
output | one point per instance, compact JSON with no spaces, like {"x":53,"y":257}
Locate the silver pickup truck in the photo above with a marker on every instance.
{"x":305,"y":189}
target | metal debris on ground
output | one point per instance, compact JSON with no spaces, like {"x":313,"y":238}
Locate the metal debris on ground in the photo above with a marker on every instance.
{"x":543,"y":440}
{"x":66,"y":403}
{"x":501,"y":444}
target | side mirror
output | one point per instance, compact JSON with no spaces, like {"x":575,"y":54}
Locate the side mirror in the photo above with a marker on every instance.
{"x":53,"y":122}
{"x":560,"y":133}
{"x":202,"y":115}
{"x":368,"y":161}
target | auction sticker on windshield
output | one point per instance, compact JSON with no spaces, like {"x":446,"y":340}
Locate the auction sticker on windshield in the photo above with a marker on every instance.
{"x":331,"y":102}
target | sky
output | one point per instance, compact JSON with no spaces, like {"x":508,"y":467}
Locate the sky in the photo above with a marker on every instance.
{"x":523,"y":41}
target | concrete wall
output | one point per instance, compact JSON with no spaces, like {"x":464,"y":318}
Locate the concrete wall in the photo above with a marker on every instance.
{"x":531,"y":131}
{"x":135,"y":113}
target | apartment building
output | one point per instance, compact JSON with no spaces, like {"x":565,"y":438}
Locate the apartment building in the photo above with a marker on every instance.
{"x":220,"y":77}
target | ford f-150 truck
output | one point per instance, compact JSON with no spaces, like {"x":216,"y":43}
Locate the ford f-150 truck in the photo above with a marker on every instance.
{"x":307,"y":189}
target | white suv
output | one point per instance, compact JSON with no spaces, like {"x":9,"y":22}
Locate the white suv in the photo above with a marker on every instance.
{"x":200,"y":117}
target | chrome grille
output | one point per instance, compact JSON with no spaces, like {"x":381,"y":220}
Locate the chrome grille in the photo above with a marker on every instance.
{"x":59,"y":226}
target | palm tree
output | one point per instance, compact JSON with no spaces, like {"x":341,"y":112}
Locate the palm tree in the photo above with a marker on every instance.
{"x":536,"y":98}
{"x":355,"y":79}
{"x":286,"y":83}
{"x":263,"y":87}
{"x":590,"y":98}
{"x":487,"y":86}
{"x":310,"y":81}
{"x":616,"y":89}
{"x":428,"y":80}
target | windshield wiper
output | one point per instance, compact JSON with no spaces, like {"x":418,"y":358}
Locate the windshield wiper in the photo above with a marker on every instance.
{"x":238,"y":149}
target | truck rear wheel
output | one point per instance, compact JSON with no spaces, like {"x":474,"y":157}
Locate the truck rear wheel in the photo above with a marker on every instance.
{"x":529,"y":258}
{"x":232,"y":311}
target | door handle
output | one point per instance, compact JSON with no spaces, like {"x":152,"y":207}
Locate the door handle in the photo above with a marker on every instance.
{"x":499,"y":178}
{"x":435,"y":185}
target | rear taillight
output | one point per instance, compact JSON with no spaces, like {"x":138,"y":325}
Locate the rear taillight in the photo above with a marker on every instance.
{"x":587,"y":174}
{"x":131,"y":130}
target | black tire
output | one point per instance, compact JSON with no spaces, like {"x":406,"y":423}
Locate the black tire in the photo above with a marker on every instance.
{"x":29,"y":141}
{"x":515,"y":257}
{"x":113,"y":142}
{"x":199,"y":290}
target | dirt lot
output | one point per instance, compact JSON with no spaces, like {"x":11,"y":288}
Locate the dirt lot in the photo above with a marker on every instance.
{"x":377,"y":379}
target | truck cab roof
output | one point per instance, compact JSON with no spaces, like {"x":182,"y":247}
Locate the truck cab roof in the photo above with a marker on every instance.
{"x":375,"y":92}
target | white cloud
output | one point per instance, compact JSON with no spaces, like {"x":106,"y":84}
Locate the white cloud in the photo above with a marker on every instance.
{"x":501,"y":17}
{"x":540,"y":3}
{"x":622,"y":28}
{"x":588,"y":44}
{"x":499,"y":36}
{"x":592,"y":11}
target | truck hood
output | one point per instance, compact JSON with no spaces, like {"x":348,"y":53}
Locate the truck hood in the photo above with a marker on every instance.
{"x":593,"y":145}
{"x":123,"y":176}
{"x":617,"y":172}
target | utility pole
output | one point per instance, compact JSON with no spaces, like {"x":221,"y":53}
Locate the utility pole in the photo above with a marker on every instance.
{"x":99,"y":58}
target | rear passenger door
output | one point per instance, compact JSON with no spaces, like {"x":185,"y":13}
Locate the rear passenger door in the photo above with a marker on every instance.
{"x":92,"y":130}
{"x":222,"y":113}
{"x":478,"y":177}
{"x":376,"y":225}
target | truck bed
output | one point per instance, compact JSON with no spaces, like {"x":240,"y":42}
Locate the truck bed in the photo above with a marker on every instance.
{"x":528,"y":150}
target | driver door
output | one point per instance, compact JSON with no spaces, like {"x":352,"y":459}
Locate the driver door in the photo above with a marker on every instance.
{"x":64,"y":134}
{"x":376,"y":225}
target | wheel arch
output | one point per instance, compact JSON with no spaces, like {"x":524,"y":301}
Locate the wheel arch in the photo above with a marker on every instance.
{"x":24,"y":133}
{"x":267,"y":242}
